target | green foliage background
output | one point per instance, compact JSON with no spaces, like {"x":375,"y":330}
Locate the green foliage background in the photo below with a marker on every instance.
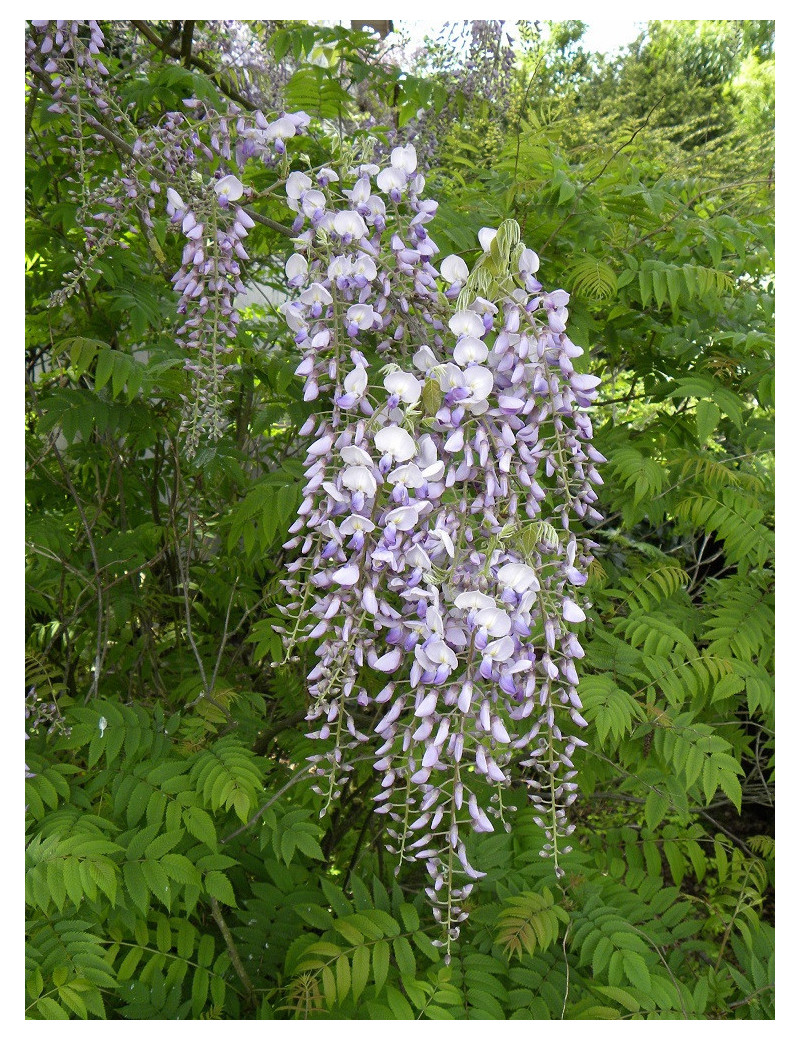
{"x":176,"y":866}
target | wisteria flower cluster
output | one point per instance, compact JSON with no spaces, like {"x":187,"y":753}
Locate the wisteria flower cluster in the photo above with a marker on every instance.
{"x":165,"y":171}
{"x":435,"y":535}
{"x":214,"y":224}
{"x":58,"y":53}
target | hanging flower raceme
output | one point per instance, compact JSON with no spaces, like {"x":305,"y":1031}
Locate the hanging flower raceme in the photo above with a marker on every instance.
{"x":167,"y":166}
{"x":435,"y":536}
{"x":58,"y":54}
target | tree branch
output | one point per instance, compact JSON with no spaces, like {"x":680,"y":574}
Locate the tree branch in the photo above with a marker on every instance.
{"x":186,"y":43}
{"x":165,"y":46}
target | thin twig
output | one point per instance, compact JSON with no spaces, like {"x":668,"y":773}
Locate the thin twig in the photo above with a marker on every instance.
{"x":354,"y":858}
{"x":669,"y":970}
{"x":30,"y":107}
{"x":566,"y":966}
{"x":257,"y":815}
{"x":236,"y":960}
{"x":224,"y":639}
{"x":762,"y":989}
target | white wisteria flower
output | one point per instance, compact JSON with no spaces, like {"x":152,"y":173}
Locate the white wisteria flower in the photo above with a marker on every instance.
{"x":355,"y":382}
{"x":528,"y":262}
{"x":348,"y":222}
{"x":392,"y":179}
{"x":470,"y":351}
{"x":479,"y":381}
{"x":436,"y":653}
{"x":359,"y":478}
{"x":425,"y":359}
{"x":313,"y":202}
{"x":405,"y":158}
{"x":316,"y":293}
{"x":175,"y":200}
{"x":444,"y":537}
{"x":405,"y":386}
{"x":499,"y":649}
{"x":340,"y":267}
{"x":355,"y":523}
{"x":394,"y":441}
{"x":230,"y":188}
{"x":293,"y":315}
{"x":404,"y":518}
{"x":572,"y":612}
{"x":364,"y":267}
{"x":418,"y":558}
{"x":348,"y":575}
{"x":361,"y":315}
{"x":281,"y":128}
{"x":518,"y":576}
{"x":355,"y":456}
{"x":296,"y":269}
{"x":409,"y":475}
{"x":454,"y":269}
{"x":473,"y":601}
{"x":486,"y":236}
{"x":467,"y":323}
{"x":496,"y":622}
{"x":297,"y":184}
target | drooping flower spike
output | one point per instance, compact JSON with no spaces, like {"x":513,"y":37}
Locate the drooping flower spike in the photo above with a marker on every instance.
{"x":435,"y":535}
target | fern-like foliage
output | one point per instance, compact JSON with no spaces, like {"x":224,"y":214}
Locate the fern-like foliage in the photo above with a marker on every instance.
{"x":531,"y":921}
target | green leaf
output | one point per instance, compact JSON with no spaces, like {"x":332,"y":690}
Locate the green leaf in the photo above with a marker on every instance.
{"x":655,"y":808}
{"x":622,"y":996}
{"x":342,"y":977}
{"x":329,"y":986}
{"x":409,"y":917}
{"x":162,"y":844}
{"x":404,"y":956}
{"x":157,"y":881}
{"x":308,"y":845}
{"x":635,"y":968}
{"x":425,"y":946}
{"x":729,"y":782}
{"x":360,"y":973}
{"x":710,"y":772}
{"x":349,"y":931}
{"x":163,"y":935}
{"x":199,"y":991}
{"x":707,"y":417}
{"x":200,"y":825}
{"x":218,"y":886}
{"x":49,"y":1009}
{"x":398,"y":1003}
{"x":129,"y":964}
{"x":181,"y":869}
{"x":380,"y":963}
{"x":104,"y":369}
